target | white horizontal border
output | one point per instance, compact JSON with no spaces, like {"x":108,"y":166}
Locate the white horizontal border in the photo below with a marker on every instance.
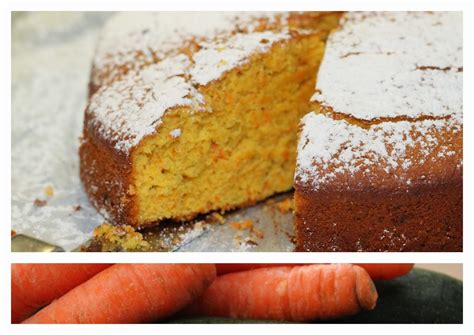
{"x":228,"y":329}
{"x":248,"y":5}
{"x":238,"y":257}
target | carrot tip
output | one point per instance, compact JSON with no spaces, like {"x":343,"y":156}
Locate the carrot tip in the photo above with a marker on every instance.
{"x":365,"y":289}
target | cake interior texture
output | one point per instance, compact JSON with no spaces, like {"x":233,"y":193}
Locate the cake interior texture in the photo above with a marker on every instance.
{"x":241,"y":152}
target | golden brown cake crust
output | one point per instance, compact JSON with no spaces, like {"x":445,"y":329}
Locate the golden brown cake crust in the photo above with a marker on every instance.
{"x":106,"y":176}
{"x":422,"y":218}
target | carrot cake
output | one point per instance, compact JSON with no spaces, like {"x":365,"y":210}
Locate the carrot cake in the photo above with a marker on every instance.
{"x":195,"y":112}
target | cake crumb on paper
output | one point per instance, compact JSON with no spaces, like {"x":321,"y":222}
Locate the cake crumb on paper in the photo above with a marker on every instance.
{"x":286,"y":206}
{"x":242,"y":225}
{"x":124,"y":236}
{"x":40,"y":202}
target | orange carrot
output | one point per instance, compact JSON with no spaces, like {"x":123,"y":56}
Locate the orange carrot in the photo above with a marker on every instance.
{"x":291,"y":293}
{"x":376,"y":271}
{"x":386,"y":271}
{"x":36,"y":285}
{"x":130,"y":293}
{"x":223,"y":268}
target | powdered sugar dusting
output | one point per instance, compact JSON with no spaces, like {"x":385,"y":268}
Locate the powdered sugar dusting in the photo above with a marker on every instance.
{"x":402,"y":67}
{"x":132,"y":108}
{"x":329,"y":149}
{"x":389,"y":64}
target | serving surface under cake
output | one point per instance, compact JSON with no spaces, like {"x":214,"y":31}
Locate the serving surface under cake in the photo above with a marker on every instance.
{"x":380,"y":162}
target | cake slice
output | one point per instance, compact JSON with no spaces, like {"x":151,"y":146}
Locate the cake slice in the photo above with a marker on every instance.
{"x":379,"y":164}
{"x":203,"y":121}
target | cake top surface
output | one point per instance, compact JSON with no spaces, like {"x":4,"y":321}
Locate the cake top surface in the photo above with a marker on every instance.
{"x":128,"y":32}
{"x":132,"y":39}
{"x":168,"y":57}
{"x":392,"y":64}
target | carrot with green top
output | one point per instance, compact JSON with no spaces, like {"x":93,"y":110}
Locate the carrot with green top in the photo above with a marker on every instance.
{"x":130,"y":293}
{"x":36,"y":285}
{"x":289,"y":293}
